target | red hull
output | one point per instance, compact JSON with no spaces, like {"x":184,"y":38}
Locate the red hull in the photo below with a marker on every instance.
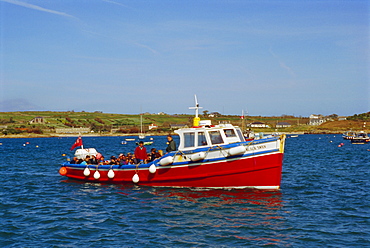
{"x":258,"y":171}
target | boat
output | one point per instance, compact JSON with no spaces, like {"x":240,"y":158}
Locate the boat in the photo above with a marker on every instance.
{"x":360,"y":138}
{"x":141,"y":134}
{"x":146,"y":143}
{"x":208,"y":156}
{"x":348,"y":135}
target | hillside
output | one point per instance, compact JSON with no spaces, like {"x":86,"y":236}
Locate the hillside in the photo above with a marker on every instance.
{"x":20,"y":123}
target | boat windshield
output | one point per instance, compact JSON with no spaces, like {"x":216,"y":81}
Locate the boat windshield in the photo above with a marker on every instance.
{"x":189,"y":139}
{"x":229,"y":133}
{"x":216,"y":137}
{"x":202,"y":141}
{"x":240,"y":134}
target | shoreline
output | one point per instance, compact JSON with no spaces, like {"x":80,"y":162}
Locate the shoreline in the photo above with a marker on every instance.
{"x":51,"y":135}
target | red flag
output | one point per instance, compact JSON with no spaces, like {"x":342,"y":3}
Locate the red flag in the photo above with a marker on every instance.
{"x":77,"y":143}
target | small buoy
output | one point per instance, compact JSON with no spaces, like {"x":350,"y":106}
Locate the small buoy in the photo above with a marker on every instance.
{"x":96,"y":175}
{"x":86,"y":172}
{"x":63,"y":155}
{"x":152,"y":168}
{"x":37,"y":146}
{"x":63,"y":171}
{"x":110,"y":173}
{"x":24,"y":144}
{"x":27,"y":143}
{"x":135,"y":178}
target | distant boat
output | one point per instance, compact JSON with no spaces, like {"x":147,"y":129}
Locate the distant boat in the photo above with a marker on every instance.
{"x":349,"y":135}
{"x":146,"y":143}
{"x":360,"y":138}
{"x":141,"y":135}
{"x":130,"y":139}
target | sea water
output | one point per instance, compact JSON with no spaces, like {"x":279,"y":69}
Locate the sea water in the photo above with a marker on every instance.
{"x":323,"y":202}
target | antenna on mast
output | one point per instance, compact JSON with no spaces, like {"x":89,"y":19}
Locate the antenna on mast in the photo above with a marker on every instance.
{"x":196,"y":119}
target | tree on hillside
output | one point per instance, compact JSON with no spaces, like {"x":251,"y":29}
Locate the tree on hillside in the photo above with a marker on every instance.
{"x":363,"y":117}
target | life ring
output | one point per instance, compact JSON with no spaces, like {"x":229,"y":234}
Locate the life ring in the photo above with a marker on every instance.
{"x":63,"y":171}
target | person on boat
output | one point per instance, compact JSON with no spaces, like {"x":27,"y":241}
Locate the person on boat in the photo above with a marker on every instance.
{"x":171,"y":144}
{"x":159,"y":153}
{"x":152,"y":155}
{"x":122,"y":159}
{"x":86,"y":160}
{"x":101,"y":160}
{"x":140,"y":153}
{"x":93,"y":160}
{"x":74,"y":160}
{"x":113,"y":160}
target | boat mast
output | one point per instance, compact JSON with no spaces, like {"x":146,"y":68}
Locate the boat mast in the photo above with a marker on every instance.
{"x":196,"y":119}
{"x":141,"y":123}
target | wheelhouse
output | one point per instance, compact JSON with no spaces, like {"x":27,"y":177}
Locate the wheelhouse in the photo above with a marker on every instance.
{"x":208,"y":135}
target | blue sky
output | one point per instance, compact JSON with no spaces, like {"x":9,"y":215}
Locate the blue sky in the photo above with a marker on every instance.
{"x":264,"y":57}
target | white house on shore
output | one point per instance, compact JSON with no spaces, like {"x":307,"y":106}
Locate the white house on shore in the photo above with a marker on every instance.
{"x":283,"y":125}
{"x":258,"y":124}
{"x":316,"y":120}
{"x":37,"y":120}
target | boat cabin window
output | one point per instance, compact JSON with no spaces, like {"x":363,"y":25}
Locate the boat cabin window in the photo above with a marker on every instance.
{"x":240,"y":134}
{"x":229,"y":133}
{"x":189,"y":139}
{"x":216,"y":137}
{"x":202,"y":141}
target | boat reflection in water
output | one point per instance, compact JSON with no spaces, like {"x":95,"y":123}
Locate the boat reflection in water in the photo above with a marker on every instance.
{"x":248,"y":215}
{"x":218,"y":198}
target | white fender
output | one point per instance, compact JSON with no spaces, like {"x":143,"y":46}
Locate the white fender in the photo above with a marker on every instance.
{"x":110,"y":173}
{"x":198,"y":156}
{"x":96,"y":175}
{"x":166,"y":161}
{"x":237,"y":150}
{"x":152,"y":168}
{"x":135,"y":178}
{"x":86,"y":172}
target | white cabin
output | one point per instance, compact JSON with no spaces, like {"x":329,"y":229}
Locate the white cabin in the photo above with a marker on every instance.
{"x":208,"y":135}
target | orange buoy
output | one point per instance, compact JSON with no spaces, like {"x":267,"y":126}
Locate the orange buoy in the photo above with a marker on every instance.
{"x":63,"y":171}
